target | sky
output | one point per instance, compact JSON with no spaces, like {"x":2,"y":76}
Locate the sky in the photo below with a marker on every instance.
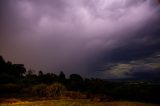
{"x":93,"y":38}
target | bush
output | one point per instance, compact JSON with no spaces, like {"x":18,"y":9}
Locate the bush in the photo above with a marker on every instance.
{"x":74,"y":95}
{"x":39,"y":90}
{"x":9,"y":88}
{"x":6,"y":78}
{"x":55,"y":90}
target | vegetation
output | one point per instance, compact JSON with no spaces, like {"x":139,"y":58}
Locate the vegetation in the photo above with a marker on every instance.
{"x":74,"y":103}
{"x":16,"y":81}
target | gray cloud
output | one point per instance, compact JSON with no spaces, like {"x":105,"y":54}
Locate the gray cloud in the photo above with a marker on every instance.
{"x":144,"y":72}
{"x":144,"y":68}
{"x":78,"y":36}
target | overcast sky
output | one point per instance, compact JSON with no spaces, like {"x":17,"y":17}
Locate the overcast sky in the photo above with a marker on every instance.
{"x":93,"y":38}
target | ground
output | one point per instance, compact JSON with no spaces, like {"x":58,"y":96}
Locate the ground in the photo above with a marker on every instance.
{"x":71,"y":102}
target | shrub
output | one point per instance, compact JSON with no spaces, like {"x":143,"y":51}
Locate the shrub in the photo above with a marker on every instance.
{"x":39,"y":90}
{"x":9,"y":88}
{"x":55,"y":90}
{"x":6,"y":78}
{"x":74,"y":95}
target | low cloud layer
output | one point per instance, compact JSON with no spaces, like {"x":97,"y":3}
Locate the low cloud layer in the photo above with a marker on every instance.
{"x":83,"y":37}
{"x":140,"y":68}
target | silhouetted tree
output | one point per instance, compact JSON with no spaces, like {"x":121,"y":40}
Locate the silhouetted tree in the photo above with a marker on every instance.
{"x":40,"y":77}
{"x":2,"y":64}
{"x":62,"y":77}
{"x":49,"y":78}
{"x":11,"y":73}
{"x":19,"y":69}
{"x":1,"y":60}
{"x":30,"y":77}
{"x":75,"y":82}
{"x":40,"y":73}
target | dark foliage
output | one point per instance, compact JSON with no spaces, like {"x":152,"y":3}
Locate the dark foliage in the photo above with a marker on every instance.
{"x":62,"y":77}
{"x":75,"y":82}
{"x":14,"y":79}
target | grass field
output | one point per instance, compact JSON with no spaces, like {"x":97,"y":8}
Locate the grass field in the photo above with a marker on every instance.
{"x":73,"y":103}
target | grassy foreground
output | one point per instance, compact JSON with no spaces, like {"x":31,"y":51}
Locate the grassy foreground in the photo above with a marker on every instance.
{"x":73,"y":103}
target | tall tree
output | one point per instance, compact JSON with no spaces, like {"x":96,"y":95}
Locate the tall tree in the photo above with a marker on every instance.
{"x":62,"y":77}
{"x":75,"y":82}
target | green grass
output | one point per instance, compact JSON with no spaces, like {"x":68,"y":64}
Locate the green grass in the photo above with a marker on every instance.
{"x":74,"y":103}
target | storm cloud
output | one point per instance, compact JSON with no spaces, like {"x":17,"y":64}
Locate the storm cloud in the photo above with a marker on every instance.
{"x":88,"y":37}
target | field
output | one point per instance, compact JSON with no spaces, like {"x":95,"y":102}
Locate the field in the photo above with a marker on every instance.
{"x":73,"y":103}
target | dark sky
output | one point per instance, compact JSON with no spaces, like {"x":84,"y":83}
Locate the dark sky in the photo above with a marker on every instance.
{"x":94,"y":38}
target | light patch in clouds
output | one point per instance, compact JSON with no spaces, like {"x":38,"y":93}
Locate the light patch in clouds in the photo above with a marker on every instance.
{"x":146,"y":66}
{"x":119,"y":71}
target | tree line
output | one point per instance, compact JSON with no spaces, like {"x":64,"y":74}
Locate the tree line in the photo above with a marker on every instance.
{"x":16,"y":81}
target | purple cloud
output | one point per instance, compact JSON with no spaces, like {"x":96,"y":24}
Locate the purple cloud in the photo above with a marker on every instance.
{"x":75,"y":36}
